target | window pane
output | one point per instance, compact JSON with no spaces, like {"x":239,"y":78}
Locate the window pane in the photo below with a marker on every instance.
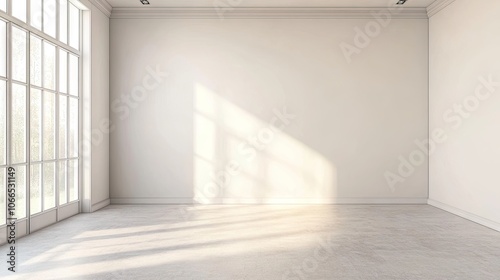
{"x":3,"y":5}
{"x":49,"y":125}
{"x":49,"y":185}
{"x":3,"y":48}
{"x":18,"y":124}
{"x":49,"y":17}
{"x":49,"y":66}
{"x":63,"y":21}
{"x":36,"y":189}
{"x":18,"y":54}
{"x":36,"y":14}
{"x":63,"y":71}
{"x":74,"y":26}
{"x":73,"y":128}
{"x":20,"y":192}
{"x":19,"y":9}
{"x":63,"y":126}
{"x":36,"y":61}
{"x":73,"y":75}
{"x":63,"y":197}
{"x":3,"y":122}
{"x":36,"y":124}
{"x":3,"y":191}
{"x":73,"y":180}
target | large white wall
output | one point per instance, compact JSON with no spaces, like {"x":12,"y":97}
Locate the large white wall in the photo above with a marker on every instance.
{"x":464,"y":56}
{"x":185,"y":136}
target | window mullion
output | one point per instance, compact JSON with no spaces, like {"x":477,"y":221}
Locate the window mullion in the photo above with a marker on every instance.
{"x":67,"y":129}
{"x":28,"y":129}
{"x":8,"y":94}
{"x":57,"y":20}
{"x":28,"y":12}
{"x":42,"y":134}
{"x":56,"y":127}
{"x":8,"y":103}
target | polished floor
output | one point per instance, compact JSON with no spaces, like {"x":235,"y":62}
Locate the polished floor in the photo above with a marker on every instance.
{"x":260,"y":242}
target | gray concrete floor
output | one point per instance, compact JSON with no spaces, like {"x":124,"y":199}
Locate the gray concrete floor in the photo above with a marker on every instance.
{"x":260,"y":242}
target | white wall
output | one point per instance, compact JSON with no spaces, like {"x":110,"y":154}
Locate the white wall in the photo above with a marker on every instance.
{"x":226,"y":78}
{"x":464,"y":170}
{"x":100,"y":109}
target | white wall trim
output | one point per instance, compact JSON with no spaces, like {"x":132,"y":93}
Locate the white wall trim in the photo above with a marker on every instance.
{"x":464,"y":214}
{"x":100,"y":205}
{"x":43,"y":220}
{"x":103,"y":6}
{"x":265,"y":13}
{"x":180,"y":200}
{"x":189,"y":200}
{"x":437,"y":6}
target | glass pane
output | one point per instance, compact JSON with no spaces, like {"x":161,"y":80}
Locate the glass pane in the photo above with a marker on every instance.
{"x":49,"y":17}
{"x":49,"y":66}
{"x":3,"y":191}
{"x":19,"y":9}
{"x":74,"y":26}
{"x":36,"y":61}
{"x":73,"y":128}
{"x":73,"y":75}
{"x":3,"y":122}
{"x":49,"y":185}
{"x":36,"y":124}
{"x":63,"y":71}
{"x":63,"y":126}
{"x":18,"y":54}
{"x":36,"y":189}
{"x":18,"y":124}
{"x":63,"y":21}
{"x":49,"y":125}
{"x":36,"y":14}
{"x":3,"y":5}
{"x":20,"y":192}
{"x":3,"y":48}
{"x":73,"y":180}
{"x":63,"y":195}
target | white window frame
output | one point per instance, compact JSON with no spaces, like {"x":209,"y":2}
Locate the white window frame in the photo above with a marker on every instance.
{"x":33,"y":222}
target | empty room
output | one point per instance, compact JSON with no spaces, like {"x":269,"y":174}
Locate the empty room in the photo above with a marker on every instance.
{"x":250,"y":139}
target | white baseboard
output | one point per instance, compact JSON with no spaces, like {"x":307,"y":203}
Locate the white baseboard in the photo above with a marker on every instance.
{"x":99,"y":205}
{"x":464,"y":214}
{"x":152,"y":201}
{"x":291,"y":201}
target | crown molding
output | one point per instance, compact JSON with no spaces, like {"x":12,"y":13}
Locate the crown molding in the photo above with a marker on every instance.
{"x":265,"y":13}
{"x":103,"y":6}
{"x":437,"y":6}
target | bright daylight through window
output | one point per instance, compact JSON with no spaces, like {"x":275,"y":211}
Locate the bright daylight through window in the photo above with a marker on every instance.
{"x":40,"y":95}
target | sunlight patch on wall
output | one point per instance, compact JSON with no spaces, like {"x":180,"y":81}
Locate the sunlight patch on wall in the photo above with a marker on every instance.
{"x":240,"y":158}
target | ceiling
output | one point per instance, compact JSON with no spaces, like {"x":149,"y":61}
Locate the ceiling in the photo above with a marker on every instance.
{"x":269,"y":3}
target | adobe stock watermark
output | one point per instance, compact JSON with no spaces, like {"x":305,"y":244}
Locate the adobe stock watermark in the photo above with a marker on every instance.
{"x":223,"y":6}
{"x":321,"y":253}
{"x":11,"y":218}
{"x":125,"y":104}
{"x":186,"y":212}
{"x":248,"y":150}
{"x":455,"y":117}
{"x":363,"y":36}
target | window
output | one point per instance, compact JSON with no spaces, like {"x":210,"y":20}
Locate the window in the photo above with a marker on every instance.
{"x":40,"y":103}
{"x":19,"y":9}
